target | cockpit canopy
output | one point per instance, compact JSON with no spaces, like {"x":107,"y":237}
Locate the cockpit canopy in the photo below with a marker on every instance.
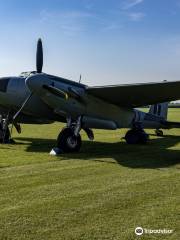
{"x":27,"y":74}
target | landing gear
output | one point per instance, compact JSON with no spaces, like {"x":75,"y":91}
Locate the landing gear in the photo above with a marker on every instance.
{"x":5,"y":136}
{"x":68,"y":142}
{"x":159,"y":132}
{"x":89,"y":133}
{"x":69,"y":139}
{"x":136,"y":136}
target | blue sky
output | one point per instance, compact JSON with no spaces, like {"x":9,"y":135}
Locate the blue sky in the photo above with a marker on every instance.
{"x":107,"y":41}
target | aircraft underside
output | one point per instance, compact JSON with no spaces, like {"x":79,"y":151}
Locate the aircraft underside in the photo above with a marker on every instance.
{"x":69,"y":139}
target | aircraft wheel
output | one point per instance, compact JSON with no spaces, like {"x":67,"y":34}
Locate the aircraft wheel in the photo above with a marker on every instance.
{"x":68,"y":142}
{"x":7,"y":136}
{"x":143,"y":137}
{"x":1,"y":136}
{"x":135,"y":136}
{"x":159,"y":132}
{"x":131,"y":137}
{"x":5,"y":139}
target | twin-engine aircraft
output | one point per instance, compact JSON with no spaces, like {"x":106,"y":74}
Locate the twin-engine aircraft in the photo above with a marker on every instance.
{"x":37,"y":97}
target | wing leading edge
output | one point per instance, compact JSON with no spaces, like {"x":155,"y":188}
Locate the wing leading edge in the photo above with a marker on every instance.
{"x":137,"y":95}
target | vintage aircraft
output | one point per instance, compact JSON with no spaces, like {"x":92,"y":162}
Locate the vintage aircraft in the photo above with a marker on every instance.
{"x":37,"y":97}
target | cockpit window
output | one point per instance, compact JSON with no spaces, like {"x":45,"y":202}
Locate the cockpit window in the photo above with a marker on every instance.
{"x":3,"y":84}
{"x":27,"y":74}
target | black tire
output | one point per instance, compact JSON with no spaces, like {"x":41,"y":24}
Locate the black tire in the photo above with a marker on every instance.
{"x":1,"y":133}
{"x":5,"y":139}
{"x":68,"y":142}
{"x":143,"y":137}
{"x":7,"y":136}
{"x":1,"y":136}
{"x":134,"y":136}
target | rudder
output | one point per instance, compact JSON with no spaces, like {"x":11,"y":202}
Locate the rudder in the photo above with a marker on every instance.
{"x":160,"y":110}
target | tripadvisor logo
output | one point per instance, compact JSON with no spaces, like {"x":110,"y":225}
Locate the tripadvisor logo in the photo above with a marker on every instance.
{"x":139,"y":231}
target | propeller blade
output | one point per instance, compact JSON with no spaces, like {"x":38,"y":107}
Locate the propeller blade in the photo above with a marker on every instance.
{"x":80,"y":78}
{"x":23,"y":105}
{"x":39,"y":56}
{"x":17,"y":126}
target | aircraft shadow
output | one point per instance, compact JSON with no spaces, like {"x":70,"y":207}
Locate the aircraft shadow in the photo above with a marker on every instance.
{"x":158,"y":153}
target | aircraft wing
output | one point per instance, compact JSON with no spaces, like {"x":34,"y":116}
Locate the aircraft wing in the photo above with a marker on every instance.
{"x":137,"y":95}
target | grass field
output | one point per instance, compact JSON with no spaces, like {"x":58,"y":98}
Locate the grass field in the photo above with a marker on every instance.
{"x":103,"y":192}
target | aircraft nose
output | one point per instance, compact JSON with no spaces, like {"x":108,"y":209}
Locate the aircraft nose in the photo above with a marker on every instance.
{"x":35,"y":82}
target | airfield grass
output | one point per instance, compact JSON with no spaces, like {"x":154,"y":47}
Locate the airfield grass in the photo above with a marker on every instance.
{"x":103,"y":192}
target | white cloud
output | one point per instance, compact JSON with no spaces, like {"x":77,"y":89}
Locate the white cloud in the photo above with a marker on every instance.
{"x":131,"y":3}
{"x":136,"y":16}
{"x":47,"y":15}
{"x":70,"y":22}
{"x":112,"y":26}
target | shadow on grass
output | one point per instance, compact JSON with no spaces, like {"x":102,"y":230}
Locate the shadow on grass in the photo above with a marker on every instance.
{"x":156,"y":154}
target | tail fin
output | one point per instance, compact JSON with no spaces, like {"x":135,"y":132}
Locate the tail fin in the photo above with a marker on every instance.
{"x":160,"y":110}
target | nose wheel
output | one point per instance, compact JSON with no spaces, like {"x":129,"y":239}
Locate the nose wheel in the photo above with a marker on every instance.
{"x":68,"y":142}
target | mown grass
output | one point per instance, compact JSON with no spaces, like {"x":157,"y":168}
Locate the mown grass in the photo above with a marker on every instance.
{"x":103,"y":192}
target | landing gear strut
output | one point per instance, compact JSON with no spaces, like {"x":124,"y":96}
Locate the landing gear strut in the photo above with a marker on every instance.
{"x":5,"y":136}
{"x":69,"y":139}
{"x":137,"y":135}
{"x":68,"y":142}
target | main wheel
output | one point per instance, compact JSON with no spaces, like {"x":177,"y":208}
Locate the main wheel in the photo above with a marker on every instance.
{"x":143,"y":137}
{"x":6,"y":138}
{"x":132,"y":137}
{"x":68,"y":142}
{"x":1,"y":133}
{"x":135,"y":136}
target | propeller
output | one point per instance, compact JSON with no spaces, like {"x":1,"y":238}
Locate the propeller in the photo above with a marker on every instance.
{"x":39,"y":66}
{"x":14,"y":122}
{"x":22,"y":106}
{"x":39,"y":56}
{"x":80,"y":77}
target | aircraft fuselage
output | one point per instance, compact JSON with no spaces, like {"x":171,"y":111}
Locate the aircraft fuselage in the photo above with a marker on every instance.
{"x":44,"y":105}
